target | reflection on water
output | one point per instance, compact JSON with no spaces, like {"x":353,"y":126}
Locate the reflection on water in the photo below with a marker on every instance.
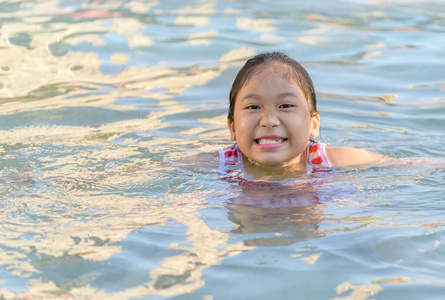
{"x":99,"y":100}
{"x":281,"y":226}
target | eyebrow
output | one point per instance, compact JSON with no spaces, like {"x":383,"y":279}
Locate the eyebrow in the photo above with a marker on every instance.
{"x":280,"y":96}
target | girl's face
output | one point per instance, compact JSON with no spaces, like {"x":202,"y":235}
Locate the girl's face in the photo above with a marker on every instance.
{"x":272,"y":122}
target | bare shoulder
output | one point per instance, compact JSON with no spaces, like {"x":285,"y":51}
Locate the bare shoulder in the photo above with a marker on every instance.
{"x":352,"y":157}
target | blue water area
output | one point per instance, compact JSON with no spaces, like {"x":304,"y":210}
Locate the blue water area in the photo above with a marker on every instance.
{"x":111,"y":116}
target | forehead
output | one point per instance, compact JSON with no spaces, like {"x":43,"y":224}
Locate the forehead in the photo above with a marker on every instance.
{"x":272,"y":73}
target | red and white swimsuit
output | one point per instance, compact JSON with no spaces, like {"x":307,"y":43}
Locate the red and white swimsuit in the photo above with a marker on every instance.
{"x":304,"y":191}
{"x":231,"y":158}
{"x":317,"y":186}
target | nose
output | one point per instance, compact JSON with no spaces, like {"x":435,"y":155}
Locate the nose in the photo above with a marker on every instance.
{"x":269,"y":119}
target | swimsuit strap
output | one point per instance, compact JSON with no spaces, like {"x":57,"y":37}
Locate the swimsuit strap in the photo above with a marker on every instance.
{"x":316,"y":155}
{"x":229,"y":156}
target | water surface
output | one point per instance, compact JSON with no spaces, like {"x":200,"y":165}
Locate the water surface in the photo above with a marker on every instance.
{"x":100,"y":100}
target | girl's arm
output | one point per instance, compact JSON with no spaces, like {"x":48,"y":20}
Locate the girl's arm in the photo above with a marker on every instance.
{"x":351,"y":157}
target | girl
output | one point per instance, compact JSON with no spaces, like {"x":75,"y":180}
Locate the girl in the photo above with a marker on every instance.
{"x":273,"y":119}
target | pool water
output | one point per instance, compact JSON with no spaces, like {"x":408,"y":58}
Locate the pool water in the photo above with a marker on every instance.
{"x":106,"y":105}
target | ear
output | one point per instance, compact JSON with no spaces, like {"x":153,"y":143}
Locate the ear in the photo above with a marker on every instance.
{"x":231,"y":125}
{"x":315,"y":126}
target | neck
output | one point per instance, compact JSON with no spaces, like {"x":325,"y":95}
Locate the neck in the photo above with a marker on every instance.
{"x":276,"y":172}
{"x":284,"y":165}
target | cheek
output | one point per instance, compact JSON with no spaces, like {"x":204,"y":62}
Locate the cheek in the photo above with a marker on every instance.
{"x":246,"y":126}
{"x":241,"y":120}
{"x":250,"y":121}
{"x":301,"y":124}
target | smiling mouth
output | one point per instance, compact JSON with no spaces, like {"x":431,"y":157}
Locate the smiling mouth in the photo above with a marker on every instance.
{"x":269,"y":141}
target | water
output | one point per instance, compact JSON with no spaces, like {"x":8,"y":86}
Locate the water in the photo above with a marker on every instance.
{"x":104,"y":106}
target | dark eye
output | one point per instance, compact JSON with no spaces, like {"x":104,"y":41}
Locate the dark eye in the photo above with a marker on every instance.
{"x":286,"y":106}
{"x":253,"y":107}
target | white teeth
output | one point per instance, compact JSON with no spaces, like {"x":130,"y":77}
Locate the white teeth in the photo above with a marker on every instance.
{"x":268,"y":142}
